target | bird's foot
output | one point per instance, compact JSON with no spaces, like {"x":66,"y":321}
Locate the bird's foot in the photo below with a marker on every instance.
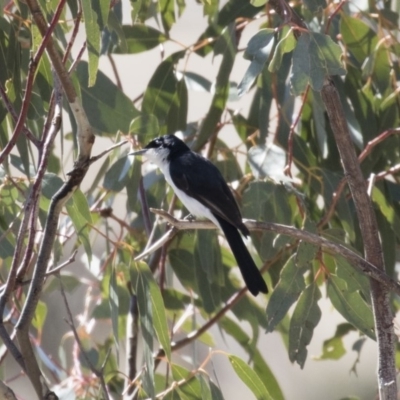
{"x":190,"y":218}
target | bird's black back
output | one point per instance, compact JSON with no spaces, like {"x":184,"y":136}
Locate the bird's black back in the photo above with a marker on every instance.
{"x":202,"y":180}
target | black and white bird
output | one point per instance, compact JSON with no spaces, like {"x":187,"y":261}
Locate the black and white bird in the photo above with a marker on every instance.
{"x":202,"y":189}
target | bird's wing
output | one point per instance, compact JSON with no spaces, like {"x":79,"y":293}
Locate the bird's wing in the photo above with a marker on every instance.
{"x":207,"y":186}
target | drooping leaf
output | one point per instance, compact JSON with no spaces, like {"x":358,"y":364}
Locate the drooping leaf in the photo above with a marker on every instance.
{"x":115,"y":178}
{"x":333,"y":348}
{"x":302,"y":324}
{"x":191,"y":388}
{"x":351,"y":305}
{"x":167,"y":10}
{"x":268,"y":161}
{"x":151,"y":305}
{"x":92,"y":39}
{"x":208,"y":265}
{"x":107,"y":108}
{"x":257,"y":51}
{"x":145,"y":126}
{"x":161,"y":92}
{"x":78,"y":212}
{"x":227,"y":47}
{"x":286,"y":292}
{"x":216,"y":393}
{"x":139,"y":38}
{"x":285,"y":45}
{"x":260,"y":366}
{"x":40,"y":316}
{"x":113,"y":300}
{"x":250,"y":378}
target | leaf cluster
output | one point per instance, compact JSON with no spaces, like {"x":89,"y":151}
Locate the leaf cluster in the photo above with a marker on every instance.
{"x":278,"y":155}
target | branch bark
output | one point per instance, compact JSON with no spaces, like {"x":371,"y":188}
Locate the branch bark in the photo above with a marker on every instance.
{"x":380,"y":294}
{"x":353,"y":258}
{"x":85,"y":140}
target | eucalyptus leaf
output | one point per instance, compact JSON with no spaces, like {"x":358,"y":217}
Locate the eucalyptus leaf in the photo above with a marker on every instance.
{"x":315,"y":57}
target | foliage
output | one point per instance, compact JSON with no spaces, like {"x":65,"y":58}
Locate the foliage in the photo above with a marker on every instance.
{"x":293,"y":175}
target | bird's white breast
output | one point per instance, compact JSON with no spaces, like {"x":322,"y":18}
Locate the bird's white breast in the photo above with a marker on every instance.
{"x":159,"y":157}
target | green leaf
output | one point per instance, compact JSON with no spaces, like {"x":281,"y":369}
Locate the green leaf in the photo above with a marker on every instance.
{"x":286,"y":292}
{"x":92,"y":39}
{"x":118,"y":174}
{"x":315,"y":57}
{"x":6,"y":248}
{"x":167,"y":10}
{"x":226,"y":47}
{"x":265,"y":201}
{"x":173,"y":395}
{"x":191,"y":389}
{"x":358,"y":37}
{"x":306,"y":253}
{"x":207,"y":264}
{"x":102,"y":7}
{"x":107,"y":108}
{"x":257,"y":44}
{"x":151,"y":305}
{"x":40,"y":316}
{"x":196,"y":82}
{"x":285,"y":45}
{"x":260,"y":366}
{"x":177,"y":115}
{"x":78,"y":215}
{"x":208,"y":255}
{"x":113,"y":300}
{"x":216,"y":393}
{"x":146,"y":127}
{"x":182,"y":262}
{"x":141,"y":38}
{"x":258,"y":3}
{"x":387,"y":210}
{"x":161,"y":92}
{"x":355,"y":280}
{"x":250,"y":378}
{"x":351,"y":305}
{"x":305,"y":318}
{"x":267,"y":161}
{"x":333,"y":348}
{"x":82,"y":205}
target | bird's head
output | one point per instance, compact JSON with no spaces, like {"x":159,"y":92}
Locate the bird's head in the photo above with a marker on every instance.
{"x":161,"y":149}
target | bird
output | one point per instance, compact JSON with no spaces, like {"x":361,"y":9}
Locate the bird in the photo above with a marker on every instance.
{"x":200,"y":186}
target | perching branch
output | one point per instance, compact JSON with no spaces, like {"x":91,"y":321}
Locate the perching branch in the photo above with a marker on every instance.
{"x":335,"y":248}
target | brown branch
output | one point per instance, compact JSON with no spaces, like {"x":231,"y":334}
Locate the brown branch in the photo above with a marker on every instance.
{"x":9,"y":107}
{"x":370,"y":234}
{"x":336,"y":248}
{"x":374,"y":142}
{"x":29,"y":82}
{"x":85,"y":139}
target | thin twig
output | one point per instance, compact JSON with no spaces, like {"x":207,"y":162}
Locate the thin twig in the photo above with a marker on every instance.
{"x":98,"y":373}
{"x":9,"y":107}
{"x":29,"y":82}
{"x":114,"y":146}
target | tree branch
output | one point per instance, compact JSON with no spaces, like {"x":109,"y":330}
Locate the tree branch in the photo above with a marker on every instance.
{"x":372,"y":246}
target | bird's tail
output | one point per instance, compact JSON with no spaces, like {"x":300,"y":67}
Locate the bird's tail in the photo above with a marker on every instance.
{"x":251,"y":274}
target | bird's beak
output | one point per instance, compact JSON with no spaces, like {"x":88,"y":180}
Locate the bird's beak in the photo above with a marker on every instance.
{"x":137,"y":152}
